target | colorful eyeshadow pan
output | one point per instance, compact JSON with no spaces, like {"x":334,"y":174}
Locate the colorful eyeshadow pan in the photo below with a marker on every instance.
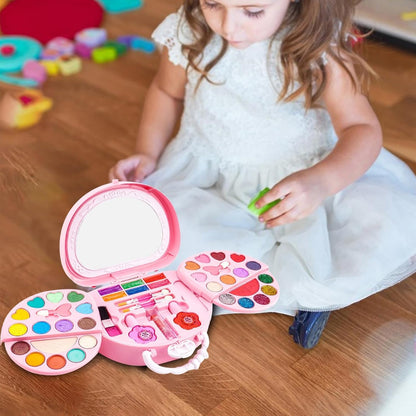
{"x":64,"y":325}
{"x":20,"y":348}
{"x":76,"y":355}
{"x":18,"y":329}
{"x":265,"y":278}
{"x":56,"y":362}
{"x":227,"y":299}
{"x":246,"y":303}
{"x":54,"y":332}
{"x":231,"y":280}
{"x":87,"y":341}
{"x":86,"y":323}
{"x":41,"y":327}
{"x":35,"y":359}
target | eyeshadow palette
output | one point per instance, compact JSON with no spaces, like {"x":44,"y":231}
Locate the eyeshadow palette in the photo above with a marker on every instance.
{"x":53,"y":332}
{"x":233,"y":281}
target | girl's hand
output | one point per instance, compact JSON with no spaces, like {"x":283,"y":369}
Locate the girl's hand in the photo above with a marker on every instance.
{"x":301,"y":193}
{"x":134,"y":168}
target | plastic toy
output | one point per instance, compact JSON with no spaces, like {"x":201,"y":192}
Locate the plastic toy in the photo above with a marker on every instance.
{"x":62,"y":45}
{"x":51,"y":67}
{"x":23,"y":109}
{"x":118,"y":46}
{"x":14,"y":52}
{"x":82,"y":50}
{"x":50,"y":54}
{"x":69,"y":65}
{"x":32,"y":69}
{"x":91,"y":37}
{"x":119,"y":6}
{"x":44,"y":20}
{"x":125,"y":40}
{"x":258,"y":211}
{"x":142,"y":44}
{"x":103,"y":55}
{"x":117,"y":236}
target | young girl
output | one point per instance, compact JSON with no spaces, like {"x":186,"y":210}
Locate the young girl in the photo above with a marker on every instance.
{"x":271,"y":95}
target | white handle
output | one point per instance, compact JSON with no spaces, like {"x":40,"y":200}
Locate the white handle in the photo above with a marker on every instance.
{"x":192,"y":364}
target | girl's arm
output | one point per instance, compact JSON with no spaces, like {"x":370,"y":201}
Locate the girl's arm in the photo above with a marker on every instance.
{"x":359,"y":143}
{"x":357,"y":127}
{"x":162,"y":108}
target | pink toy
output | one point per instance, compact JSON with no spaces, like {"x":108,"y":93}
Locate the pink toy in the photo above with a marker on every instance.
{"x":114,"y":236}
{"x":34,"y":70}
{"x":62,"y":45}
{"x":50,"y":54}
{"x":82,"y":50}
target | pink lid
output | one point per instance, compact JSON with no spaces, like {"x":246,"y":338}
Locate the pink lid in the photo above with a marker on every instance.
{"x":118,"y":231}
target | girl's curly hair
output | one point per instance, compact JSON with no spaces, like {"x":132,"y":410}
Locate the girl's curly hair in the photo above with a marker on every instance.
{"x":317,"y":29}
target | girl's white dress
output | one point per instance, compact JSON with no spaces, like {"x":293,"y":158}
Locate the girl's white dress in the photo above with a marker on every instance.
{"x":235,"y":139}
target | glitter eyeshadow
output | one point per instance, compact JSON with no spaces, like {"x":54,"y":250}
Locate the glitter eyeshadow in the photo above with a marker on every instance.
{"x":20,"y":348}
{"x":227,"y":299}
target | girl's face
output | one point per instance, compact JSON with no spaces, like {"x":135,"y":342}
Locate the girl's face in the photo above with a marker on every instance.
{"x":244,"y":22}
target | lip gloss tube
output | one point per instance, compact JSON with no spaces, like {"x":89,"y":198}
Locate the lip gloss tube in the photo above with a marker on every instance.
{"x":111,"y":329}
{"x":162,"y":323}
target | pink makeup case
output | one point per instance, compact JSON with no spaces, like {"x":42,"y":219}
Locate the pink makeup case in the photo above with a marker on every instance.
{"x":114,"y":240}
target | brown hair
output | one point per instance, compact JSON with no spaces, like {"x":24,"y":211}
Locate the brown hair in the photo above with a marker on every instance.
{"x":317,"y":27}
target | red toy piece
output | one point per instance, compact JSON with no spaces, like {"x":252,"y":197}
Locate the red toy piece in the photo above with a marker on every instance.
{"x":47,"y":19}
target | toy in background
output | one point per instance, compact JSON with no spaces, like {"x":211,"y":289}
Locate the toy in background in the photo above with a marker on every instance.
{"x":61,"y":55}
{"x":137,"y":43}
{"x":119,"y":6}
{"x":44,"y":20}
{"x":15,"y":51}
{"x":23,"y":109}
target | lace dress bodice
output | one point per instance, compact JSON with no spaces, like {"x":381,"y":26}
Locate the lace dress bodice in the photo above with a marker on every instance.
{"x":237,"y":119}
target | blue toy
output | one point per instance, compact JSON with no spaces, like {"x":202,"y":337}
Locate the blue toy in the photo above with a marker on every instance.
{"x":14,"y":52}
{"x":142,"y":44}
{"x":119,"y":6}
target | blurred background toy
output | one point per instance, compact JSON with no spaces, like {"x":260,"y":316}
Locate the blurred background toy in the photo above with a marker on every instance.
{"x":69,"y":65}
{"x":23,"y":109}
{"x":32,"y":69}
{"x":119,"y":6}
{"x":14,"y":52}
{"x":44,"y":20}
{"x":91,"y":37}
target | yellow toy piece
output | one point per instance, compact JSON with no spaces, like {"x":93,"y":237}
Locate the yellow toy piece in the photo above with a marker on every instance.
{"x":51,"y":67}
{"x":23,"y":109}
{"x":69,"y":65}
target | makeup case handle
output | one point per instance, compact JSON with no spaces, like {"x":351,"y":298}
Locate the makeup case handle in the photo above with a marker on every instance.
{"x":192,"y":364}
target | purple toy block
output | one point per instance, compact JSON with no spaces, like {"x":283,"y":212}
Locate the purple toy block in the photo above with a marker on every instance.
{"x":34,"y":70}
{"x":92,"y":37}
{"x":82,"y":50}
{"x":125,"y":40}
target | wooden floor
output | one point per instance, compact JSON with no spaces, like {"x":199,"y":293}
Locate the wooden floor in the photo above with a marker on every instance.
{"x":366,"y":356}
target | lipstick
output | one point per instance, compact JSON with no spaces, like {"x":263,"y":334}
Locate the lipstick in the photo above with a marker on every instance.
{"x":111,"y":329}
